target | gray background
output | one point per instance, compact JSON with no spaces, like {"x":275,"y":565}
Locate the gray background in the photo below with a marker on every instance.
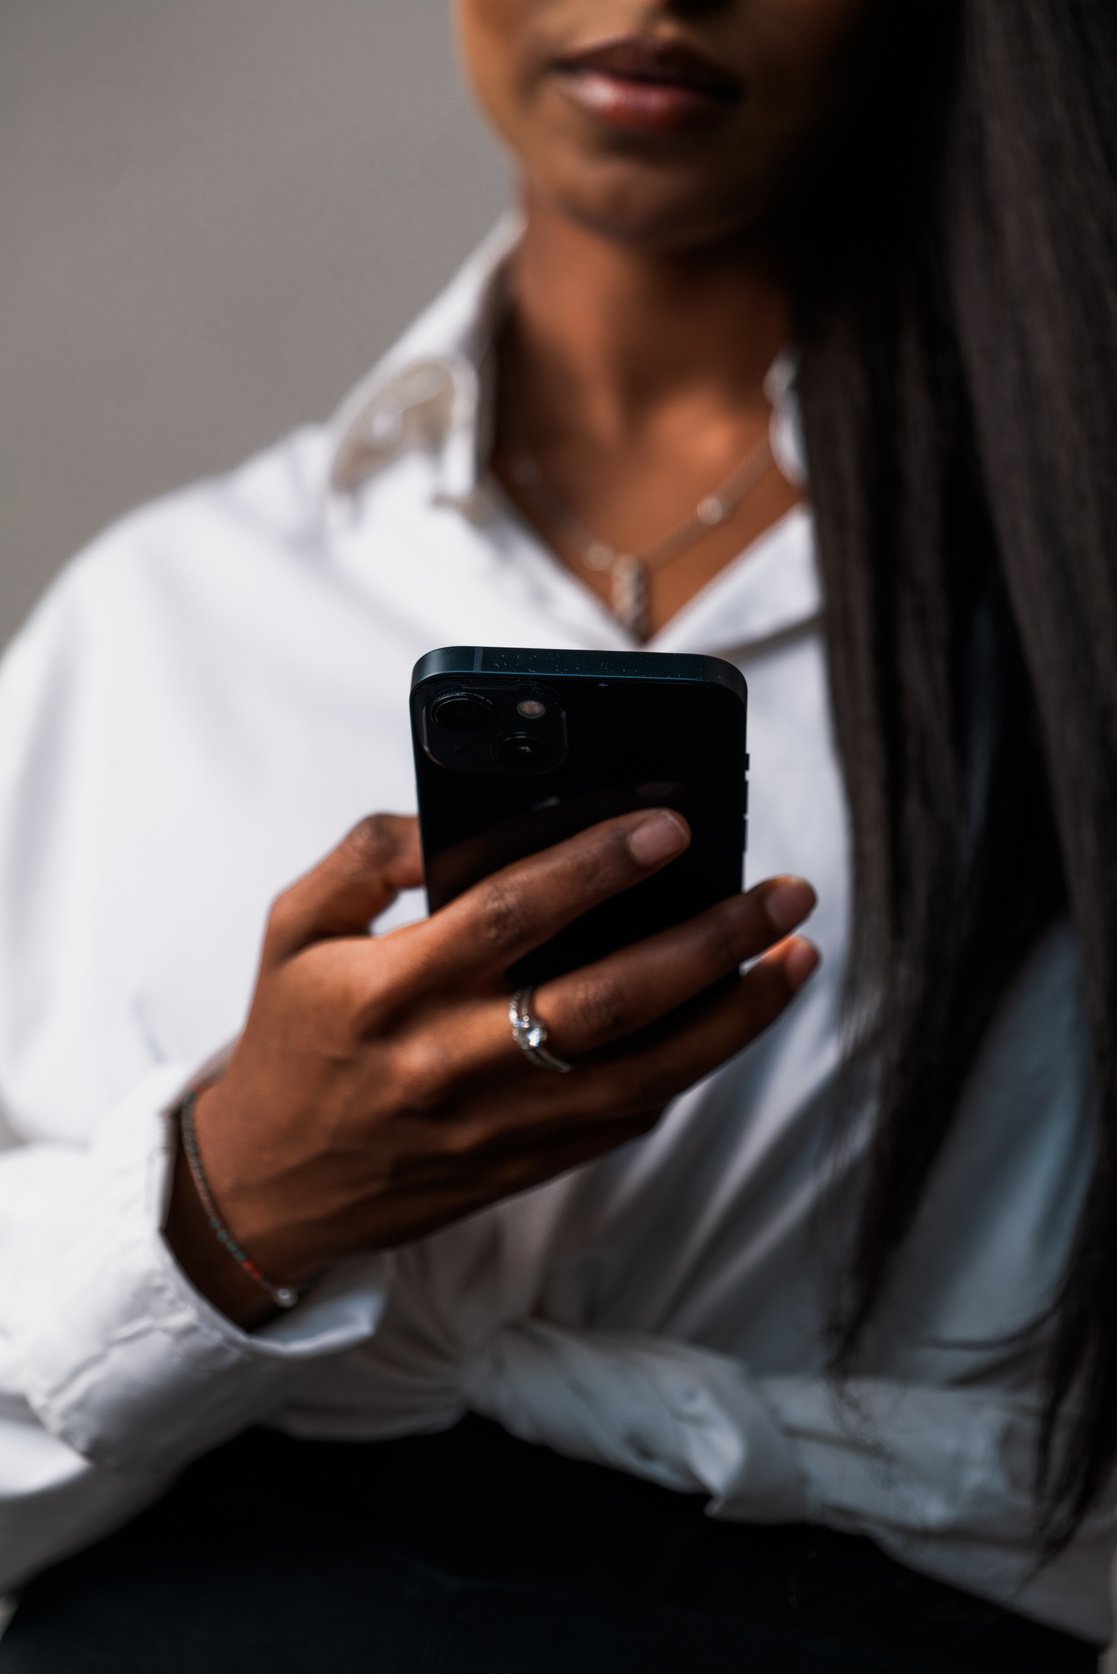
{"x":214,"y":214}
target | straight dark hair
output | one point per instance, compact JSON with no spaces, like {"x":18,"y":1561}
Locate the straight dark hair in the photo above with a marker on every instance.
{"x":959,"y":397}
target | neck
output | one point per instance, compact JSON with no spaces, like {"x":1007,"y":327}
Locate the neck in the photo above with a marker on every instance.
{"x":620,"y":335}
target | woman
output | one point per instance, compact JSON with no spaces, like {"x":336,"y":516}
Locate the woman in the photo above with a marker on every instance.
{"x":847,"y":1291}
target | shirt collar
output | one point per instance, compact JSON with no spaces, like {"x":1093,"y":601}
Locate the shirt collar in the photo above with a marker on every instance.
{"x":433,"y":392}
{"x":429,"y":392}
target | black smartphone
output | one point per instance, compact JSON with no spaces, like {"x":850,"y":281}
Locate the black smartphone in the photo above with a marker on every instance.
{"x":516,"y":750}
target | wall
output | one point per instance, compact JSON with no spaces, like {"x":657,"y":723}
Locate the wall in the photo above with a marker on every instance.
{"x":214,"y":214}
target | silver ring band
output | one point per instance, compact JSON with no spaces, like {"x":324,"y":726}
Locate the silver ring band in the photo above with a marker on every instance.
{"x":530,"y":1033}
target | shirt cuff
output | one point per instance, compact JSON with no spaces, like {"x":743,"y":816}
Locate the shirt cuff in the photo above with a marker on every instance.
{"x":117,"y":1353}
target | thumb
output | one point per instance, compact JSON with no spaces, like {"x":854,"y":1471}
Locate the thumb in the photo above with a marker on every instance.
{"x":353,"y":885}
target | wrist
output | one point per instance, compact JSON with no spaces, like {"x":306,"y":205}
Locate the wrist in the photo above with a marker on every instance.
{"x":204,"y":1260}
{"x":206,"y":1239}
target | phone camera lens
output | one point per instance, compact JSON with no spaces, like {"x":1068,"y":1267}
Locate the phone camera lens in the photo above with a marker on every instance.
{"x":461,"y":711}
{"x":522,"y":752}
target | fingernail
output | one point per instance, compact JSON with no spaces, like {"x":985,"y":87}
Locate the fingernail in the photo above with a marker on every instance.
{"x":788,"y":903}
{"x":658,"y":838}
{"x":801,"y":961}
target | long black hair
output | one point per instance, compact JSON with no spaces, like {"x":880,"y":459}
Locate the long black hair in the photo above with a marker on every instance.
{"x":959,"y":396}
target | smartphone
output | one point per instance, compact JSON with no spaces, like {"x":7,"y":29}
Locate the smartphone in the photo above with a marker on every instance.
{"x":516,"y":750}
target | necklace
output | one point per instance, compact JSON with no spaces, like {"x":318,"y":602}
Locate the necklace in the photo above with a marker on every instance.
{"x":630,"y":573}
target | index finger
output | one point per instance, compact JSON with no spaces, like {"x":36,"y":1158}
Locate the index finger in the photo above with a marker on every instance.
{"x":517,"y":909}
{"x":353,"y":884}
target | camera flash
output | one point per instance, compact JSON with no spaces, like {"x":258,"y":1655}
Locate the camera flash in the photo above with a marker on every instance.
{"x":531,"y":709}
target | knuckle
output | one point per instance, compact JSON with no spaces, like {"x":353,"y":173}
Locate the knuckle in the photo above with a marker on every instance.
{"x":423,"y":1077}
{"x":724,"y":942}
{"x":371,"y":839}
{"x":601,"y":1010}
{"x":596,"y":864}
{"x":370,"y":1010}
{"x":461,"y":1143}
{"x":503,"y":919}
{"x":385,"y":985}
{"x":282,"y":917}
{"x":612,"y":865}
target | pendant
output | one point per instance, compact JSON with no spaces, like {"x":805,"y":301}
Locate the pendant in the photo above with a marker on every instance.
{"x":714,"y":510}
{"x":630,"y":602}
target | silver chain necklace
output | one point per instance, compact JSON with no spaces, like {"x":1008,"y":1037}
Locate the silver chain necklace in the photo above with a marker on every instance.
{"x":630,"y":573}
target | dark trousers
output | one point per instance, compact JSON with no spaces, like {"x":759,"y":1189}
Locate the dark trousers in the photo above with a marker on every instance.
{"x":472,"y":1553}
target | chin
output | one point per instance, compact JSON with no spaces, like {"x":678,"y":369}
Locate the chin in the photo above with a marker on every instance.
{"x":654,"y":215}
{"x":639,"y":226}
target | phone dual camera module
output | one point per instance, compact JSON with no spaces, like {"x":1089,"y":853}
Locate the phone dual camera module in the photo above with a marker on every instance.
{"x":474,"y":731}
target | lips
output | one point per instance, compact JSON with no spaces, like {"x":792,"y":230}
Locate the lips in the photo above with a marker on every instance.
{"x":662,"y":62}
{"x":648,"y":86}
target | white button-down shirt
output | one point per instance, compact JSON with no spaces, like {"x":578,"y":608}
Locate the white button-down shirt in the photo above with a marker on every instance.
{"x":198,"y":710}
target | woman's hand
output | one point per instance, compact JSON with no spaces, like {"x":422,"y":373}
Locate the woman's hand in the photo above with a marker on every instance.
{"x":376,"y":1093}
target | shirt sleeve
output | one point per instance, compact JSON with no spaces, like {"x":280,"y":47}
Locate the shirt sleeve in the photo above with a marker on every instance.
{"x":114,"y":1371}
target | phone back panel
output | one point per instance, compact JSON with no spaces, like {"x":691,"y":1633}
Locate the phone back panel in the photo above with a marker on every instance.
{"x":517,"y":750}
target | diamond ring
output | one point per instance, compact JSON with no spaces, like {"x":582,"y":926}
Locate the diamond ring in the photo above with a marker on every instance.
{"x":530,"y":1033}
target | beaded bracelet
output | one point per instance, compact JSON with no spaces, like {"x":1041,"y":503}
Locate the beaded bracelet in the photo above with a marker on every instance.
{"x":284,"y":1296}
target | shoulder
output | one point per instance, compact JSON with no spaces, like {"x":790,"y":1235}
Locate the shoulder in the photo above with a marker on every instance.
{"x":188,"y":554}
{"x":117,"y":715}
{"x":272,"y":502}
